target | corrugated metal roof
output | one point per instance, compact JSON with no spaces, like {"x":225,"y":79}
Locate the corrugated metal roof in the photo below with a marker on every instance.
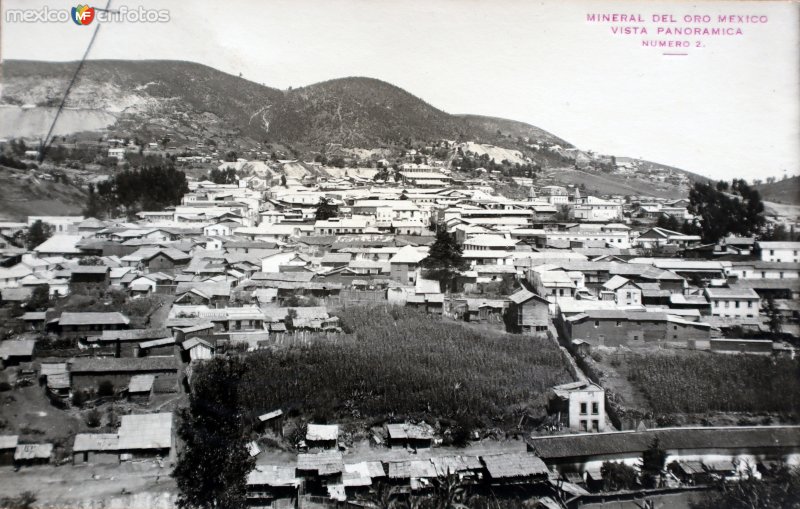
{"x":145,"y":431}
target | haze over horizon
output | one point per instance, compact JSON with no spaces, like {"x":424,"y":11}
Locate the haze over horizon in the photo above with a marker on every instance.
{"x":723,"y":112}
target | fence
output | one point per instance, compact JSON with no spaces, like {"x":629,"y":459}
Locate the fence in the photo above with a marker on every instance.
{"x":355,"y":297}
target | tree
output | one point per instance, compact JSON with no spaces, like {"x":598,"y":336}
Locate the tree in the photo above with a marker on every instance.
{"x":212,"y":469}
{"x":444,"y":260}
{"x":91,"y":261}
{"x":37,"y":234}
{"x":93,"y":206}
{"x":326,"y":209}
{"x":653,"y":461}
{"x":40,"y":298}
{"x":740,"y":212}
{"x":563,"y":214}
{"x":774,"y":317}
{"x":783,"y":491}
{"x":617,"y":476}
{"x":668,"y":222}
{"x":291,"y":314}
{"x":226,"y":176}
{"x":283,"y":181}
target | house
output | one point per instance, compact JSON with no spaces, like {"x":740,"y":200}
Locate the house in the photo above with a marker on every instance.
{"x":779,"y":251}
{"x":737,"y":302}
{"x":633,"y":328}
{"x":404,"y":264}
{"x":90,"y":279}
{"x":410,"y":436}
{"x":145,"y":435}
{"x":658,"y":237}
{"x":267,"y":484}
{"x":323,"y":436}
{"x":211,"y":294}
{"x":624,"y":291}
{"x":15,"y":351}
{"x":95,"y":448}
{"x":60,"y":245}
{"x":272,"y":420}
{"x":126,"y":343}
{"x":82,"y":324}
{"x":580,"y":406}
{"x":87,"y":373}
{"x":553,"y":284}
{"x":198,"y":349}
{"x":154,"y":259}
{"x":527,"y":313}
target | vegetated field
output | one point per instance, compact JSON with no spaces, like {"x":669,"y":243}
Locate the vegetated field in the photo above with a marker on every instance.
{"x":400,"y":363}
{"x":604,"y":183}
{"x":703,"y":382}
{"x":20,"y":198}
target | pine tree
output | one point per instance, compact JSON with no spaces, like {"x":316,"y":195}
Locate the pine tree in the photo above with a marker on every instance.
{"x":444,"y":259}
{"x":37,"y":234}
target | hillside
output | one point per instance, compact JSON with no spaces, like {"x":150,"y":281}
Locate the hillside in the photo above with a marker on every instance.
{"x":22,"y":196}
{"x":192,"y":101}
{"x":512,"y":128}
{"x":783,"y":191}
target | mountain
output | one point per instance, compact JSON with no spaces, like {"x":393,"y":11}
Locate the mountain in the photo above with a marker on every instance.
{"x":189,"y":100}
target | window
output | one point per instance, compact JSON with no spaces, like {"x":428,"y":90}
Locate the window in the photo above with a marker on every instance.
{"x":619,"y":323}
{"x":519,"y":317}
{"x":737,"y":304}
{"x":780,"y":275}
{"x":583,"y":425}
{"x":595,"y":408}
{"x":750,"y":303}
{"x":596,"y":323}
{"x":763,"y":274}
{"x":583,"y":408}
{"x":636,"y":337}
{"x":595,"y":425}
{"x":771,"y":252}
{"x":727,"y":304}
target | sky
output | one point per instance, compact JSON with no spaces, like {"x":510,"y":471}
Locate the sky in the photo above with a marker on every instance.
{"x":727,"y":109}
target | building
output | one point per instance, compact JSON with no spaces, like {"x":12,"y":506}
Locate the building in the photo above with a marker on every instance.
{"x":410,"y":436}
{"x":83,"y":324}
{"x":95,"y":448}
{"x":90,"y":279}
{"x":145,"y":435}
{"x":633,"y":328}
{"x":404,"y":264}
{"x":87,"y":373}
{"x":779,"y":251}
{"x":527,"y":313}
{"x":323,"y":436}
{"x":624,"y":292}
{"x":579,"y":406}
{"x":737,"y":302}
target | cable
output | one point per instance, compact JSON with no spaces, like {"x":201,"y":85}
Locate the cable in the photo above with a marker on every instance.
{"x":48,"y":140}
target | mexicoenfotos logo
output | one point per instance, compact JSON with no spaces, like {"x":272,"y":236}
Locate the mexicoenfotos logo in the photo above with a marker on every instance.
{"x":83,"y":15}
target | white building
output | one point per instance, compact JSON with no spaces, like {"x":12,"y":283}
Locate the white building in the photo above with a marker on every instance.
{"x":584,"y":405}
{"x":733,"y":302}
{"x":779,"y":251}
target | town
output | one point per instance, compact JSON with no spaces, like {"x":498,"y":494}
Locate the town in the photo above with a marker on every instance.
{"x":418,"y":322}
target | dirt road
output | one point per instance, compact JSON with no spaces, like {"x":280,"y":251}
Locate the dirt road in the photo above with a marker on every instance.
{"x":134,"y":485}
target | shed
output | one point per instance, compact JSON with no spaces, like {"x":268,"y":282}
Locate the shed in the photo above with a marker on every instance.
{"x":324,"y":463}
{"x":95,"y":448}
{"x":515,"y":468}
{"x":415,"y":436}
{"x":272,"y":420}
{"x":33,"y":454}
{"x":325,"y":436}
{"x":140,"y":387}
{"x":8,"y":446}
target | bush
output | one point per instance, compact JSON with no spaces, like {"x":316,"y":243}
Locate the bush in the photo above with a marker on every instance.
{"x":93,"y":418}
{"x":105,"y":388}
{"x":24,"y":500}
{"x":78,"y":398}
